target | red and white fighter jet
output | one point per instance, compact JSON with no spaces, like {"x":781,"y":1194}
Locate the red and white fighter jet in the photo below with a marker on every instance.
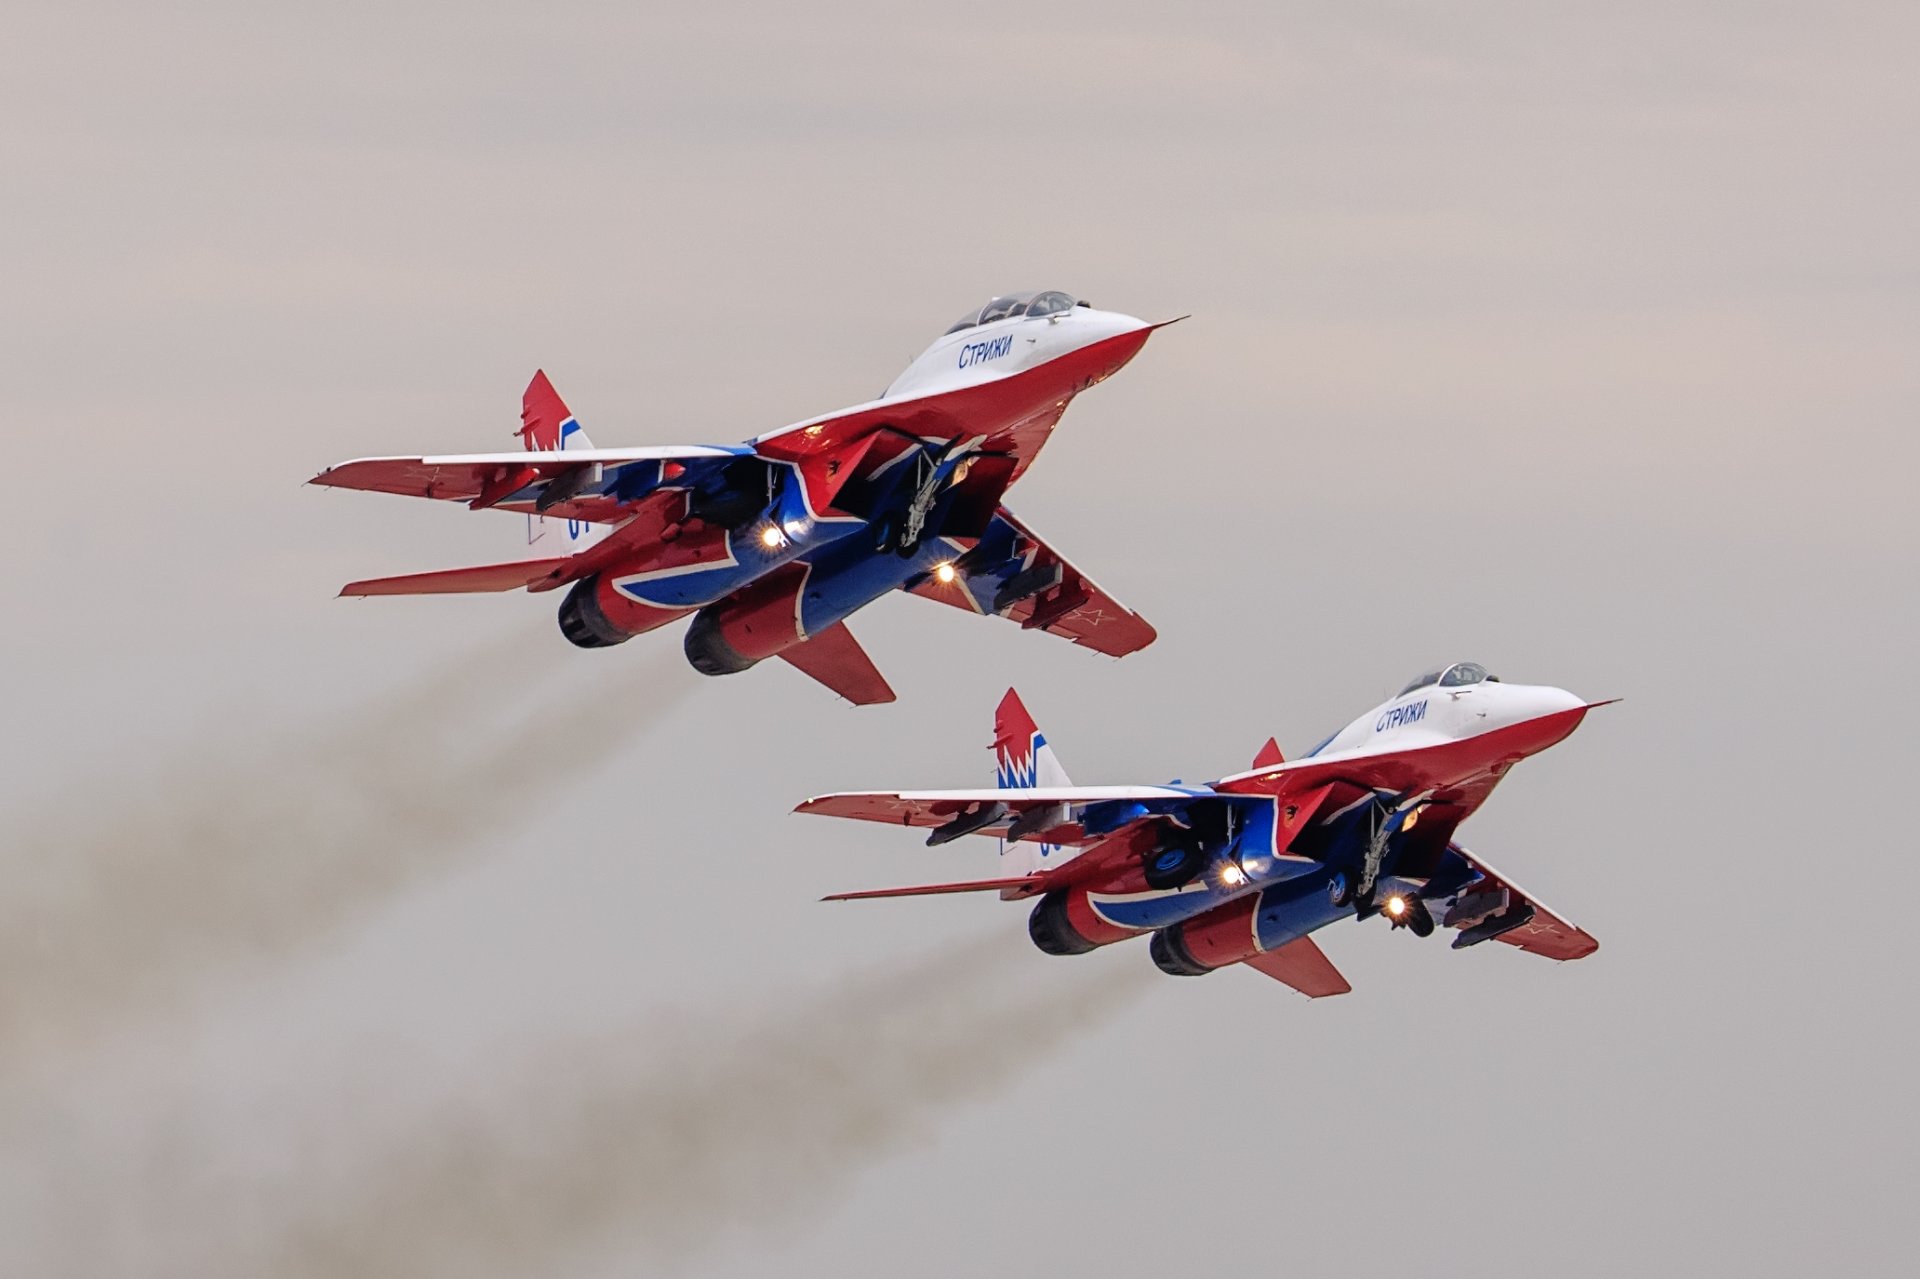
{"x":771,"y":544}
{"x":1244,"y":869}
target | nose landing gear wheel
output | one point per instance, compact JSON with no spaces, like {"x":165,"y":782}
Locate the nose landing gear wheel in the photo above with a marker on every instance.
{"x":1340,"y":889}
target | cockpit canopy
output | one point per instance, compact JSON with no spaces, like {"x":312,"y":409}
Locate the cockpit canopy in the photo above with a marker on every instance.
{"x":1032,"y":305}
{"x":1456,"y":676}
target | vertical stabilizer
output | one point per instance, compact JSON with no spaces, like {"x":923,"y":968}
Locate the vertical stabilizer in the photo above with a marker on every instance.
{"x":1024,"y":760}
{"x":547,"y":425}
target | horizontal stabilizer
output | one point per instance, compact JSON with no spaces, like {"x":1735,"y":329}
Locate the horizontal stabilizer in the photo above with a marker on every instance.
{"x":836,"y":659}
{"x":479,"y":579}
{"x":1303,"y":966}
{"x":1031,"y":883}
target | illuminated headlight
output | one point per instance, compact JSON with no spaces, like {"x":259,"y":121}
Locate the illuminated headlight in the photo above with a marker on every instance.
{"x":1396,"y":906}
{"x":770,"y":536}
{"x":1232,"y":876}
{"x":943,"y":573}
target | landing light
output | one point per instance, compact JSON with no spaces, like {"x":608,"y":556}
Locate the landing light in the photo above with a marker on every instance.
{"x":796,"y":527}
{"x":1232,"y":876}
{"x":1396,"y":906}
{"x":943,"y":572}
{"x":770,"y":536}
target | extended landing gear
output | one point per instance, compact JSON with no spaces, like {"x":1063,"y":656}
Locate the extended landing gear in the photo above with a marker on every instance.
{"x":1402,"y":910}
{"x":934,"y":472}
{"x":1409,"y":913}
{"x":886,"y":537}
{"x":1173,"y":865}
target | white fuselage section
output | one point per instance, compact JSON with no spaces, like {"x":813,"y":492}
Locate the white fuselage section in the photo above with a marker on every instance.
{"x":988,"y":352}
{"x":1433,"y":714}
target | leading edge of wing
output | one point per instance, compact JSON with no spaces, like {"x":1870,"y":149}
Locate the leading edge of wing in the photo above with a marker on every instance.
{"x":566,"y":457}
{"x":934,"y":807}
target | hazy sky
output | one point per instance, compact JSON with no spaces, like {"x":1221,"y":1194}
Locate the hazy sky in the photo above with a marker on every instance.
{"x":400,"y":937}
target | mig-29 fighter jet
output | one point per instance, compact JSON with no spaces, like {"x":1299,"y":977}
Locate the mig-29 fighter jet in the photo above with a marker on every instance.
{"x":771,"y":544}
{"x":1242,"y":870}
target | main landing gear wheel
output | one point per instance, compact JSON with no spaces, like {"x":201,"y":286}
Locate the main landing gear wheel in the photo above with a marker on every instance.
{"x":1173,"y":866}
{"x":1419,"y":918}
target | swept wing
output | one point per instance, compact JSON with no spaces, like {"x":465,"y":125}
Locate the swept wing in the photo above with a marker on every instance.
{"x":1011,"y":572}
{"x":1525,"y":922}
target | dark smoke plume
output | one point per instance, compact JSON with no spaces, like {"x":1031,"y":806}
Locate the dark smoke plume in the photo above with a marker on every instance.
{"x":249,"y":852}
{"x":734,"y":1128}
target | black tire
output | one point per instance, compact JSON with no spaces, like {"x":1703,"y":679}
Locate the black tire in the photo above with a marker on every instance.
{"x":1340,"y":889}
{"x":1172,"y":866}
{"x":1419,"y":918}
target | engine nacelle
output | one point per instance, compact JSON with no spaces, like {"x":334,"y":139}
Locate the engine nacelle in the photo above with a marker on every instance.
{"x":594,"y":615}
{"x":1222,"y":936}
{"x":736,"y":633}
{"x":1064,"y":923}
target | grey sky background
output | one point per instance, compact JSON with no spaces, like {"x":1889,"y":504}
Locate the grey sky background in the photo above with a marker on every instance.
{"x":400,"y":937}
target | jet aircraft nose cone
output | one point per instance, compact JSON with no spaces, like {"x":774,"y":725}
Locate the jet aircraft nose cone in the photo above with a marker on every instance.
{"x":1530,"y":701}
{"x":1094,"y":325}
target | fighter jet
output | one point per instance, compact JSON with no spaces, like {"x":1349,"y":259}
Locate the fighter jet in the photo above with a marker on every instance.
{"x":771,"y":544}
{"x":1244,"y":869}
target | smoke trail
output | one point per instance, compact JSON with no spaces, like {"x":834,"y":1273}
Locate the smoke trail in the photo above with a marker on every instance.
{"x":253,"y":854}
{"x":744,"y":1128}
